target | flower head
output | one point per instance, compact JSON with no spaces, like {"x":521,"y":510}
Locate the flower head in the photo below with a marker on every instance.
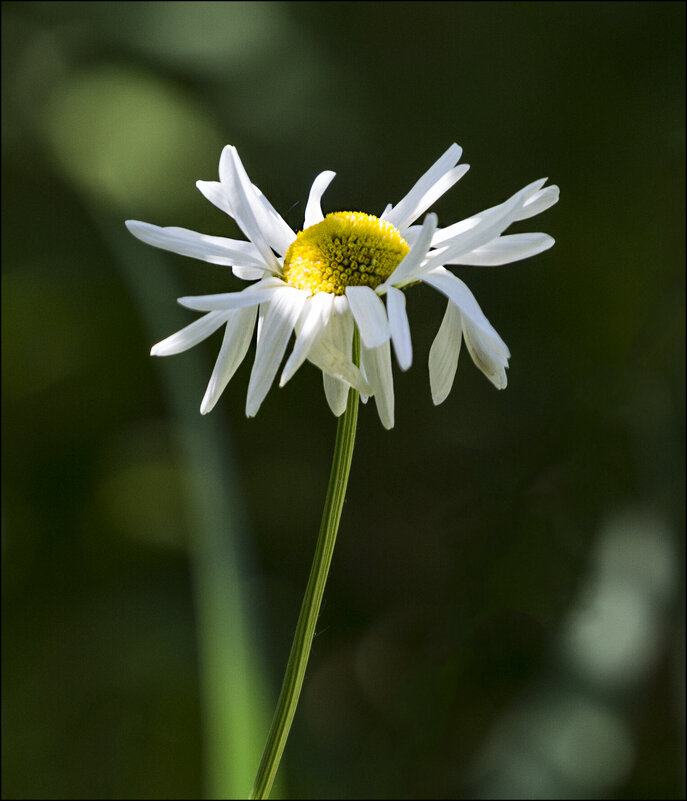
{"x":332,"y":276}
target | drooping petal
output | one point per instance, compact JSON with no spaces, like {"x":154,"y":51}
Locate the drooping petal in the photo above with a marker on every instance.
{"x":410,"y":265}
{"x":485,"y":354}
{"x":213,"y":249}
{"x":190,"y":335}
{"x":237,"y":336}
{"x":399,"y":327}
{"x":251,"y":205}
{"x":340,"y":331}
{"x":443,"y":355}
{"x":331,"y":352}
{"x":332,"y":362}
{"x":457,"y":292}
{"x":376,"y":363}
{"x":336,"y":393}
{"x":279,"y":319}
{"x":507,"y":249}
{"x":341,"y":326}
{"x":411,"y":206}
{"x":313,"y":211}
{"x":310,"y":325}
{"x":370,"y":315}
{"x":251,"y":296}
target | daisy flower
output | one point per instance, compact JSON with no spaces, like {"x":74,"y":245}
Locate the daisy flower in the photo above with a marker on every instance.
{"x":343,"y":271}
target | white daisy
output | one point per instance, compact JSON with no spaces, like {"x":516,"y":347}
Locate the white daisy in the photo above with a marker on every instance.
{"x":332,"y":276}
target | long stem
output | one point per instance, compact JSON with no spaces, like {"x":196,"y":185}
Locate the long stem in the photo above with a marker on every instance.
{"x":310,"y":609}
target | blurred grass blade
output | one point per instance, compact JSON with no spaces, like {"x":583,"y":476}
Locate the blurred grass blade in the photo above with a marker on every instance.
{"x":233,"y":685}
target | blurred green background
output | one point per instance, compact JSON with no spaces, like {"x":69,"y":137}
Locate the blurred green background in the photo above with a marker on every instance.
{"x":504,"y":616}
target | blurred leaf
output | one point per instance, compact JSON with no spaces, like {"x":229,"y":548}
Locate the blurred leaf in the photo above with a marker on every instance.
{"x":130,"y":139}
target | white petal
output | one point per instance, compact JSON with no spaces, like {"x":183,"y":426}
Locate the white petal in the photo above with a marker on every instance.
{"x":410,"y":266}
{"x":539,"y":202}
{"x":190,"y":335}
{"x":280,"y":318}
{"x":336,"y":392}
{"x":313,"y":319}
{"x":331,"y":352}
{"x":339,"y":331}
{"x":217,"y":194}
{"x":251,"y":296}
{"x":485,"y":354}
{"x":325,"y":357}
{"x":443,"y":355}
{"x":247,"y":273}
{"x":246,"y":209}
{"x":251,"y":203}
{"x":398,"y":325}
{"x":370,"y":315}
{"x":410,"y":207}
{"x":313,"y":211}
{"x":213,"y":249}
{"x":411,"y":234}
{"x":281,"y":232}
{"x":237,"y":336}
{"x":341,"y":326}
{"x":262,"y":311}
{"x":440,"y":188}
{"x":480,"y":229}
{"x":507,"y":249}
{"x":456,"y":291}
{"x":376,"y":363}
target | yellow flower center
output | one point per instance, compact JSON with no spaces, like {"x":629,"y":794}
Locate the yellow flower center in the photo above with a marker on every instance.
{"x":348,"y":248}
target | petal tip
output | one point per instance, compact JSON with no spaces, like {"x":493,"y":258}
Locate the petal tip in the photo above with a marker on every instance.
{"x":134,"y":227}
{"x":405,"y":364}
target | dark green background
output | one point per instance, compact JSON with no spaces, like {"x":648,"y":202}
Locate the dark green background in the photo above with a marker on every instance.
{"x":473,"y":533}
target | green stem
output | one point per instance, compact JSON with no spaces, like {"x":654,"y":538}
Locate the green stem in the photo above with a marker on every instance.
{"x":310,"y":609}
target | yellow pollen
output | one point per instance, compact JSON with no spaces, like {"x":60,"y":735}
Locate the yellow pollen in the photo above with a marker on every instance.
{"x":348,"y":248}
